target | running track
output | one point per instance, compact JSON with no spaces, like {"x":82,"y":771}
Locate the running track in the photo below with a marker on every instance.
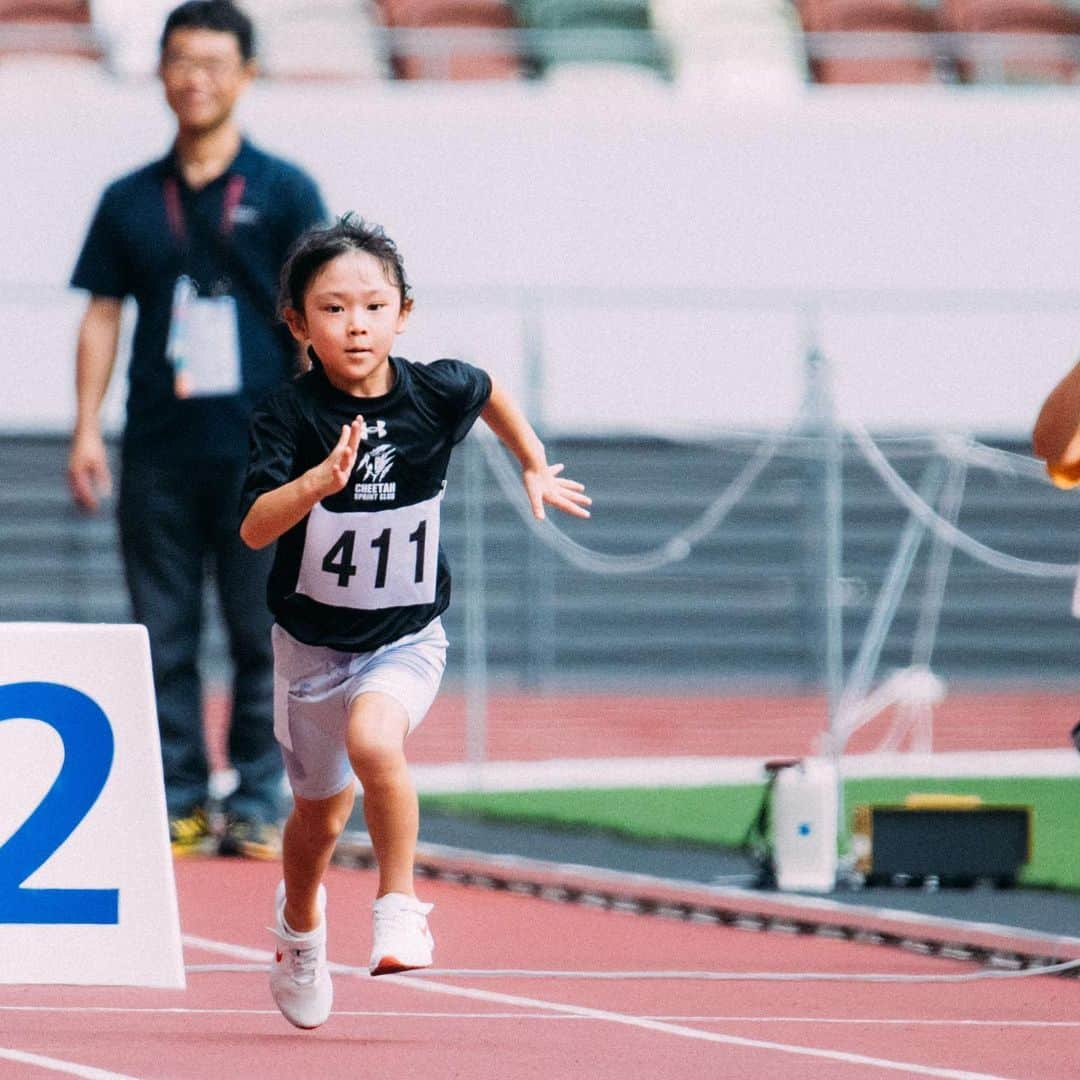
{"x":514,"y":1027}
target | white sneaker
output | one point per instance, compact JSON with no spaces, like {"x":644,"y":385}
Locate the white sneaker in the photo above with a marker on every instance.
{"x":401,"y":938}
{"x":299,"y":977}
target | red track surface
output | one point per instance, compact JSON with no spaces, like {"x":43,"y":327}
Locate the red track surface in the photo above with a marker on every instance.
{"x":511,"y":1028}
{"x":530,"y":728}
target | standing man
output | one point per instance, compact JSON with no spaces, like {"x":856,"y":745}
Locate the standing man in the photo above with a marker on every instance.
{"x":197,"y":238}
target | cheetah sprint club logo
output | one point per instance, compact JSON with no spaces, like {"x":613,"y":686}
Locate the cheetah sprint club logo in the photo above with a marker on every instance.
{"x":373,"y":469}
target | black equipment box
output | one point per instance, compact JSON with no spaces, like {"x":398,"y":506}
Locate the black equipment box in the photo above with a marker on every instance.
{"x":955,"y":844}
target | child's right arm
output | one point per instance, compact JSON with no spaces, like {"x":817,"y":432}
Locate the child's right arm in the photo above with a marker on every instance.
{"x":275,"y":512}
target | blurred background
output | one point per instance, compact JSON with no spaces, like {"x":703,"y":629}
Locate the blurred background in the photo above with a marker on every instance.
{"x":784,"y":284}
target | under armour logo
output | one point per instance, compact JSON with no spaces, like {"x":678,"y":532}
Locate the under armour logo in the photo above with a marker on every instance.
{"x":378,"y":429}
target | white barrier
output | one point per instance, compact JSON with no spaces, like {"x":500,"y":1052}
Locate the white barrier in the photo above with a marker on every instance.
{"x":804,"y":826}
{"x":87,"y":893}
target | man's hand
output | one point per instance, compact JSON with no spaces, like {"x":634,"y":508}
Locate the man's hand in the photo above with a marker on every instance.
{"x":545,"y":485}
{"x":88,"y":470}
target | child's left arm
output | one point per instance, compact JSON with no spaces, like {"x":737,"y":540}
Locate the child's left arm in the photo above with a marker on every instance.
{"x":542,"y":481}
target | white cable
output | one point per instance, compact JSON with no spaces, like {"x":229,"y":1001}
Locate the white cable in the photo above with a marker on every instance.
{"x":924,"y":512}
{"x":680,"y":546}
{"x":994,"y":459}
{"x":938,"y":565}
{"x":748,"y":976}
{"x":673,"y":550}
{"x":686,"y":976}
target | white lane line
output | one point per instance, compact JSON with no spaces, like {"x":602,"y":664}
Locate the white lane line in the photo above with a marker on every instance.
{"x":896,"y":1021}
{"x":400,"y":1014}
{"x":431,"y":987}
{"x":69,"y":1068}
{"x":695,"y":1033}
{"x":178,"y":1010}
{"x":240,"y":952}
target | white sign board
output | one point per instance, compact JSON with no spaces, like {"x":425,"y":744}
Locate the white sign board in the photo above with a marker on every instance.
{"x":87,"y":894}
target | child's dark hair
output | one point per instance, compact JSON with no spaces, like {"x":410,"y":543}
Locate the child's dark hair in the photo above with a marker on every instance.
{"x":221,"y":15}
{"x":316,"y":247}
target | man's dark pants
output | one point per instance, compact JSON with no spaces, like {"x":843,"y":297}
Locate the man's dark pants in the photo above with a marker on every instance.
{"x":173,"y":518}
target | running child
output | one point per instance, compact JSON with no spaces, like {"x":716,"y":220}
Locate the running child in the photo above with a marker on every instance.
{"x":347,"y":471}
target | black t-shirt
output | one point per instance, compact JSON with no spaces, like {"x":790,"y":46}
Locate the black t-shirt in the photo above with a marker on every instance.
{"x":365,"y":567}
{"x":133,"y":249}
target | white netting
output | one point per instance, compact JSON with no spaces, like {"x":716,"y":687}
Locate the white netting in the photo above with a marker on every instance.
{"x":913,"y":691}
{"x":680,"y":545}
{"x":910,"y":500}
{"x":673,"y":550}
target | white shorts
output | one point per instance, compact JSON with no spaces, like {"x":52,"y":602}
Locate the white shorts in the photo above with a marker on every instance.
{"x":314,"y":688}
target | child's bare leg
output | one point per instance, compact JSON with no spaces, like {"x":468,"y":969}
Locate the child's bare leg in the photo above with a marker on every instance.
{"x":376,"y":743}
{"x":307,"y":844}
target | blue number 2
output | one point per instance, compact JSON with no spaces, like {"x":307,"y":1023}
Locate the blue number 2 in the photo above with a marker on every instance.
{"x":88,"y":753}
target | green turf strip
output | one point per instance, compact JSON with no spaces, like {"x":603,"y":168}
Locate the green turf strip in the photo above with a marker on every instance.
{"x":722,"y":815}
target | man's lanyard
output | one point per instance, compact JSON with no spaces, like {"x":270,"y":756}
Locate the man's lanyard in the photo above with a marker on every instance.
{"x":174,"y":208}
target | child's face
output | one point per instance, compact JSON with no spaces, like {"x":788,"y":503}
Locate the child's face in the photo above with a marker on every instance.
{"x":352,"y":313}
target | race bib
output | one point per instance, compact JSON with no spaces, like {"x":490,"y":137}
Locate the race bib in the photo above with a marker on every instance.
{"x":381,"y":559}
{"x":204,"y":343}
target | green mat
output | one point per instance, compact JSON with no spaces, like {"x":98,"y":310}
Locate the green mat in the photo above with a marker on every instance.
{"x":722,"y":815}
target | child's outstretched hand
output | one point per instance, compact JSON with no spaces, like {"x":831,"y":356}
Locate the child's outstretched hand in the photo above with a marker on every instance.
{"x":333,"y":474}
{"x":545,"y":485}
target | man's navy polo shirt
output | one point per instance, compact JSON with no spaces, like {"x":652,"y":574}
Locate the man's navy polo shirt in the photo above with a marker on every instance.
{"x":131,"y":250}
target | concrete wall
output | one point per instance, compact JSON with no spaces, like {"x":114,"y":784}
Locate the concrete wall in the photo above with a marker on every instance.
{"x":677,"y":253}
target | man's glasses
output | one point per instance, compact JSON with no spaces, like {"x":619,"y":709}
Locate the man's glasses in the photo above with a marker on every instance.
{"x":214,"y":67}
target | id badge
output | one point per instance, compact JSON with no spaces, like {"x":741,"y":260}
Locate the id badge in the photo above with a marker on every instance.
{"x":204,"y":343}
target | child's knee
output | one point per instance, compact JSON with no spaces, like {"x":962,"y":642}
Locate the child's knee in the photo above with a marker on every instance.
{"x":376,"y":759}
{"x":378,"y":726}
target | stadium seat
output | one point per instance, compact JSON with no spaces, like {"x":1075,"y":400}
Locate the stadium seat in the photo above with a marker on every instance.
{"x":1038,"y":49}
{"x":894,"y":33}
{"x":586,"y":31}
{"x":131,"y":33}
{"x":50,"y":27}
{"x":333,"y":39}
{"x":473,"y":59}
{"x":753,"y":46}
